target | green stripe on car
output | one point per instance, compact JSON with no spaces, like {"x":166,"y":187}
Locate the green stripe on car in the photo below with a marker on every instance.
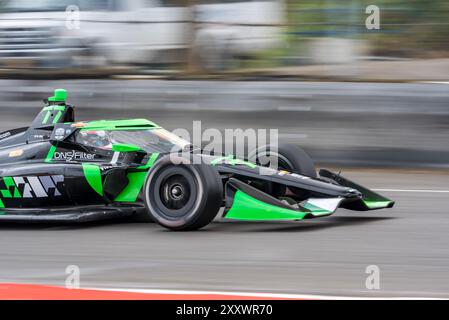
{"x":245,"y":207}
{"x":50,"y":154}
{"x":92,"y":173}
{"x":9,"y":184}
{"x":136,"y":181}
{"x":132,"y":190}
{"x":377,"y":204}
{"x":150,"y":161}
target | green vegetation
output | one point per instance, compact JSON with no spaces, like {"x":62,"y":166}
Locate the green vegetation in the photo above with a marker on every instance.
{"x":409,"y":28}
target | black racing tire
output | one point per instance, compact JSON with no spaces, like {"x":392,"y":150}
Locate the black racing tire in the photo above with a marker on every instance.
{"x":290,"y":157}
{"x":182,"y":196}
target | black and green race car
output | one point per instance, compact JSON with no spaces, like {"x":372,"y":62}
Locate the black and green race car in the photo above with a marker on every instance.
{"x":59,"y":170}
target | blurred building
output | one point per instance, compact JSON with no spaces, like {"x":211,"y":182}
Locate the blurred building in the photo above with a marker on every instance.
{"x":216,"y":35}
{"x":87,"y":33}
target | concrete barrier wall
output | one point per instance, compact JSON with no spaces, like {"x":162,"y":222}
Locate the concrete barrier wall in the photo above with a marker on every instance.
{"x":342,"y":124}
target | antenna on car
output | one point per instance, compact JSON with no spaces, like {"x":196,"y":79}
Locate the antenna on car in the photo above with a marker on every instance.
{"x":59,"y":97}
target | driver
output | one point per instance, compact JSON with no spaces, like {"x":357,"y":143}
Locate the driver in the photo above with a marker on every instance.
{"x":98,"y":139}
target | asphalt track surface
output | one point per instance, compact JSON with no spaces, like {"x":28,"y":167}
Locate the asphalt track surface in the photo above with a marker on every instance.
{"x":328,"y":256}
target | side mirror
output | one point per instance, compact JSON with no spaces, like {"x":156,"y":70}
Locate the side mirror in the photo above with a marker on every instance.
{"x":120,"y":147}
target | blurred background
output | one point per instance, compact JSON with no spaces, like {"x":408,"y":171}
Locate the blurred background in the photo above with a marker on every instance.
{"x":350,"y":92}
{"x":219,"y":35}
{"x":372,"y":100}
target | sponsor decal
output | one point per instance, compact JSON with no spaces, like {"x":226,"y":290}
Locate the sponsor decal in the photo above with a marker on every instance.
{"x":299,"y":176}
{"x":73,"y":155}
{"x":59,"y":133}
{"x":16,"y":153}
{"x":5,"y":135}
{"x":105,"y":168}
{"x":30,"y":187}
{"x":39,"y":136}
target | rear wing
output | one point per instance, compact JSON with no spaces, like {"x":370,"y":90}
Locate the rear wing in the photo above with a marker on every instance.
{"x":370,"y":200}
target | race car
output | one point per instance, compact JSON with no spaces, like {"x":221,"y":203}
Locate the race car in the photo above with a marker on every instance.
{"x":59,"y":170}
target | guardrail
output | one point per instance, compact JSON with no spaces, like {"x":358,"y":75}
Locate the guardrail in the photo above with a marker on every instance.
{"x":342,"y":124}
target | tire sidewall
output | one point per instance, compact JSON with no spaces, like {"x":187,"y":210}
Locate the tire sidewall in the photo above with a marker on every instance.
{"x":298,"y":160}
{"x":208,"y":194}
{"x":152,"y":205}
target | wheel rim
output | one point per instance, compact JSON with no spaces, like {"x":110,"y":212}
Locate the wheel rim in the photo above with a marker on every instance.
{"x":175,"y":192}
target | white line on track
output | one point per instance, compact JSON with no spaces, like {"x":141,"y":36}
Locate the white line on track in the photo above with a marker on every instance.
{"x":293,"y":108}
{"x":411,"y":190}
{"x":435,"y":82}
{"x":258,"y":294}
{"x":293,"y":135}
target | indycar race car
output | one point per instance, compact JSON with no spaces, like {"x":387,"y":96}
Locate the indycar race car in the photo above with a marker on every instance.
{"x":59,"y":170}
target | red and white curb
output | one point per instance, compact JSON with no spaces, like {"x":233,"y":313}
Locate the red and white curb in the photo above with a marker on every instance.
{"x":14,"y":291}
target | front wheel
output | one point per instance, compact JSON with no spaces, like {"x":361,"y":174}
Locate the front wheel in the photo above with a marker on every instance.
{"x":288,"y":157}
{"x":182,"y":196}
{"x":285,"y":157}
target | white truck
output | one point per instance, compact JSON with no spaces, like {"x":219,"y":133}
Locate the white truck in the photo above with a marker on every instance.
{"x":67,"y":33}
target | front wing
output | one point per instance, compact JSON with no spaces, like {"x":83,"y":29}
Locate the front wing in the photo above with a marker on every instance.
{"x":244,"y":202}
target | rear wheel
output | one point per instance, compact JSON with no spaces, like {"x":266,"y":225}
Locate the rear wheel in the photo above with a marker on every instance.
{"x":182,"y":196}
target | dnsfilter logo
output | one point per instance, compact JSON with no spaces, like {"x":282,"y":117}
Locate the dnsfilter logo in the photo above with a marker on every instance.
{"x":73,"y":155}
